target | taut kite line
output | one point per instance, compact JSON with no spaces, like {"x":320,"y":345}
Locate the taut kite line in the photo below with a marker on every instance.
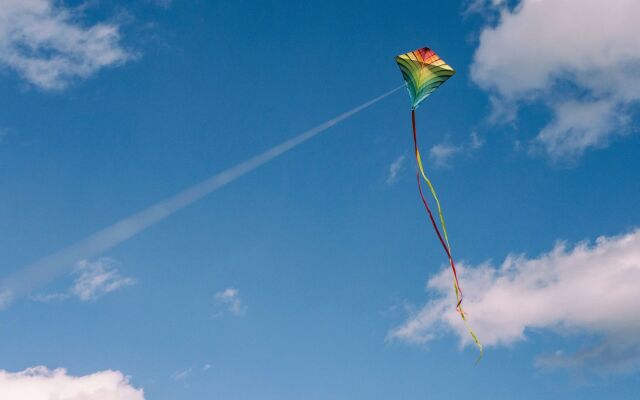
{"x":424,"y":71}
{"x":42,"y":271}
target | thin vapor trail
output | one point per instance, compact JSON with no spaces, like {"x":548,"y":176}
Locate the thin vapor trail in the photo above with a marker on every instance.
{"x":42,"y":271}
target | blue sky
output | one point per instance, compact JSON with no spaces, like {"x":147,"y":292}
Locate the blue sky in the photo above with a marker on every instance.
{"x":317,"y":275}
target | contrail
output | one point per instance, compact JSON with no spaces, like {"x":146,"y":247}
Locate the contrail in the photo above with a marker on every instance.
{"x":44,"y":270}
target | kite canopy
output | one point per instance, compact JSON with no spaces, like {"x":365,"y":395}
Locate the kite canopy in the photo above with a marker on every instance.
{"x":424,"y":71}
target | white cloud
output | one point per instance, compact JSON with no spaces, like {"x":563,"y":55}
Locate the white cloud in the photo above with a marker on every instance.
{"x":230,"y":299}
{"x":576,"y":63}
{"x":41,"y":383}
{"x":93,"y":279}
{"x":590,"y":289}
{"x":46,"y":44}
{"x":394,"y":169}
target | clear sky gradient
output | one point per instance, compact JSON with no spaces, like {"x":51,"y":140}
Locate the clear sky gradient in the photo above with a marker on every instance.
{"x":289,"y":282}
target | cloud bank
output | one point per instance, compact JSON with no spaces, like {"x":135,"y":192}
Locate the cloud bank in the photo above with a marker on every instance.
{"x":46,"y":45}
{"x":589,"y":290}
{"x":41,"y":383}
{"x":581,"y":58}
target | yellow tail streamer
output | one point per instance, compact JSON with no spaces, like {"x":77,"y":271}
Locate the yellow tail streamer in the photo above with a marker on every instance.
{"x":446,"y":238}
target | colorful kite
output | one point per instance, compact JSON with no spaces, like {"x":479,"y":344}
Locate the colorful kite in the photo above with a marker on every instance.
{"x":424,"y":71}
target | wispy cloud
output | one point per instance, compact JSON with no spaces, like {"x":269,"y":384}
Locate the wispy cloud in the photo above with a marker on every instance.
{"x":481,"y":6}
{"x":443,"y":153}
{"x":98,"y":278}
{"x":230,"y":299}
{"x":588,"y":78}
{"x":187,"y":374}
{"x":40,"y":383}
{"x":161,"y":3}
{"x":45,"y":43}
{"x":50,"y":297}
{"x":93,"y":279}
{"x":395,"y":168}
{"x":181,"y":375}
{"x":6,"y":297}
{"x":476,"y":141}
{"x":590,"y":289}
{"x":579,"y":125}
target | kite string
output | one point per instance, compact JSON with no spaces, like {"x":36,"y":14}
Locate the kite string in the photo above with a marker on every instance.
{"x":445,"y":242}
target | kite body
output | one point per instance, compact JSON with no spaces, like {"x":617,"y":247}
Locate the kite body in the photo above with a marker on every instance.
{"x":424,"y":71}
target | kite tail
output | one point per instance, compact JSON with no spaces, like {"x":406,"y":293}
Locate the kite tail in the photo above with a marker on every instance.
{"x":444,"y":241}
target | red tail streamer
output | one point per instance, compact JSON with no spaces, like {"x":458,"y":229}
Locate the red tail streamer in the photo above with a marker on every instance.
{"x":433,"y":222}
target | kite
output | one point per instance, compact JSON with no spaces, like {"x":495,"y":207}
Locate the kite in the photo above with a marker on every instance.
{"x":424,"y":71}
